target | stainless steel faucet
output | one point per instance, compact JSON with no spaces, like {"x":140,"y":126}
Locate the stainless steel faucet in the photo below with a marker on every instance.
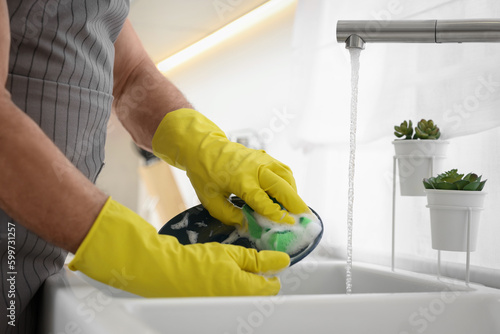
{"x":356,"y":33}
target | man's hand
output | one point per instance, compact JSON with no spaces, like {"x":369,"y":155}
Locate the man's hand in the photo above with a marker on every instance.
{"x":144,"y":102}
{"x":122,"y":244}
{"x":218,"y":168}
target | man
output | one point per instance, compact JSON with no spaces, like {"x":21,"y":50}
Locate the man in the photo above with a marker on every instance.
{"x":63,"y":65}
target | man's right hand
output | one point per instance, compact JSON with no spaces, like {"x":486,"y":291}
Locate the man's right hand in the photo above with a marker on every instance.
{"x":151,"y":265}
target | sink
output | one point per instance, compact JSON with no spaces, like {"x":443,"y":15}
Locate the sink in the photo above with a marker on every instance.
{"x":312,"y":300}
{"x":329,"y":278}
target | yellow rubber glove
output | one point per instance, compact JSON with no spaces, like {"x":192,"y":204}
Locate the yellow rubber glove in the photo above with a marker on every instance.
{"x":218,"y":168}
{"x":124,"y":251}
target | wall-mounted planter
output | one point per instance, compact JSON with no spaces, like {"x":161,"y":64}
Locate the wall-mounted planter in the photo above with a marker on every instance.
{"x":450,"y":211}
{"x":415,"y":162}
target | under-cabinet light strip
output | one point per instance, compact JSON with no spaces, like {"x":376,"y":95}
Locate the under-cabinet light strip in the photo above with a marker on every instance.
{"x":239,"y":25}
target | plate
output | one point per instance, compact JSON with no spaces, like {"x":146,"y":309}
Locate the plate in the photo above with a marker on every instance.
{"x":196,"y":225}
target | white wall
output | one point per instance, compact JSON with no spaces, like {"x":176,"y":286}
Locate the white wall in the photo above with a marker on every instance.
{"x":245,"y":84}
{"x":119,"y":177}
{"x":398,"y":82}
{"x":293,"y":64}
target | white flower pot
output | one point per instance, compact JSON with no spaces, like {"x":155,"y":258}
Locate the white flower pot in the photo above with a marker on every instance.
{"x":449,"y":210}
{"x":415,"y":163}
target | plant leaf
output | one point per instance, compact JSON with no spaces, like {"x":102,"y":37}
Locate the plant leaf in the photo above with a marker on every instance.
{"x":451,"y":179}
{"x":461,"y":184}
{"x":428,"y":184}
{"x":481,"y":185}
{"x":471,"y":177}
{"x":472,"y":186}
{"x":446,"y":186}
{"x":450,"y":176}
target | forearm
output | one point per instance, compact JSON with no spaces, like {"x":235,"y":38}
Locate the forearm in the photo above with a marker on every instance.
{"x":40,"y":188}
{"x":143,"y":96}
{"x":4,"y":41}
{"x":146,"y":99}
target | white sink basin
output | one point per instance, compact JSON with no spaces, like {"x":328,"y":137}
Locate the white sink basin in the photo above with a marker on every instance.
{"x":312,"y":300}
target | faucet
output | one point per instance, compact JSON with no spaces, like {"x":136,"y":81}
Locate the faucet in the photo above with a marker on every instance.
{"x":356,"y":33}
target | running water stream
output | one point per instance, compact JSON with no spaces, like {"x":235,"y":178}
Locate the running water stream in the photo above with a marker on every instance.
{"x":355,"y":53}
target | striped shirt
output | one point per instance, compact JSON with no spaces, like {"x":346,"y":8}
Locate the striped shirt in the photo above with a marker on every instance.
{"x":61,"y":75}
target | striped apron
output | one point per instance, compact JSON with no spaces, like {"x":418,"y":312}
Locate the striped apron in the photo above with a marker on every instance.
{"x":61,"y":75}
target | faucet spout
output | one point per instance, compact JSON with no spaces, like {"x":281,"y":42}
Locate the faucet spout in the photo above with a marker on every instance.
{"x":417,"y":31}
{"x":354,"y":42}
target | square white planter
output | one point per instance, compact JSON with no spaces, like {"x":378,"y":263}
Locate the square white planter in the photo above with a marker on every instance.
{"x":415,"y":162}
{"x":450,"y":211}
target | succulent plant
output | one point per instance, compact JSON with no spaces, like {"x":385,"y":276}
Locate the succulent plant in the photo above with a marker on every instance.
{"x":452,"y":180}
{"x":405,"y":129}
{"x":423,"y":130}
{"x":426,"y":130}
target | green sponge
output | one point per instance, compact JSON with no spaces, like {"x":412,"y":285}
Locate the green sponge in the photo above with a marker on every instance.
{"x":253,"y":227}
{"x":279,"y":240}
{"x":304,"y":221}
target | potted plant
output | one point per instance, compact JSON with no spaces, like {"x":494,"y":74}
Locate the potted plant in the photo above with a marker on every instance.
{"x":453,"y":199}
{"x":419,"y":153}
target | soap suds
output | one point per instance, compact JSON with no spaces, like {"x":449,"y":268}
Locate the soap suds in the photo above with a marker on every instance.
{"x":193,"y":236}
{"x":305,"y":235}
{"x":182,"y":224}
{"x":231,"y":238}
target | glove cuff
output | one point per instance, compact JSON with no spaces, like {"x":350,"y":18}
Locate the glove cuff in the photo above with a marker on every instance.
{"x":180,"y":135}
{"x":78,"y":258}
{"x":113,"y":221}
